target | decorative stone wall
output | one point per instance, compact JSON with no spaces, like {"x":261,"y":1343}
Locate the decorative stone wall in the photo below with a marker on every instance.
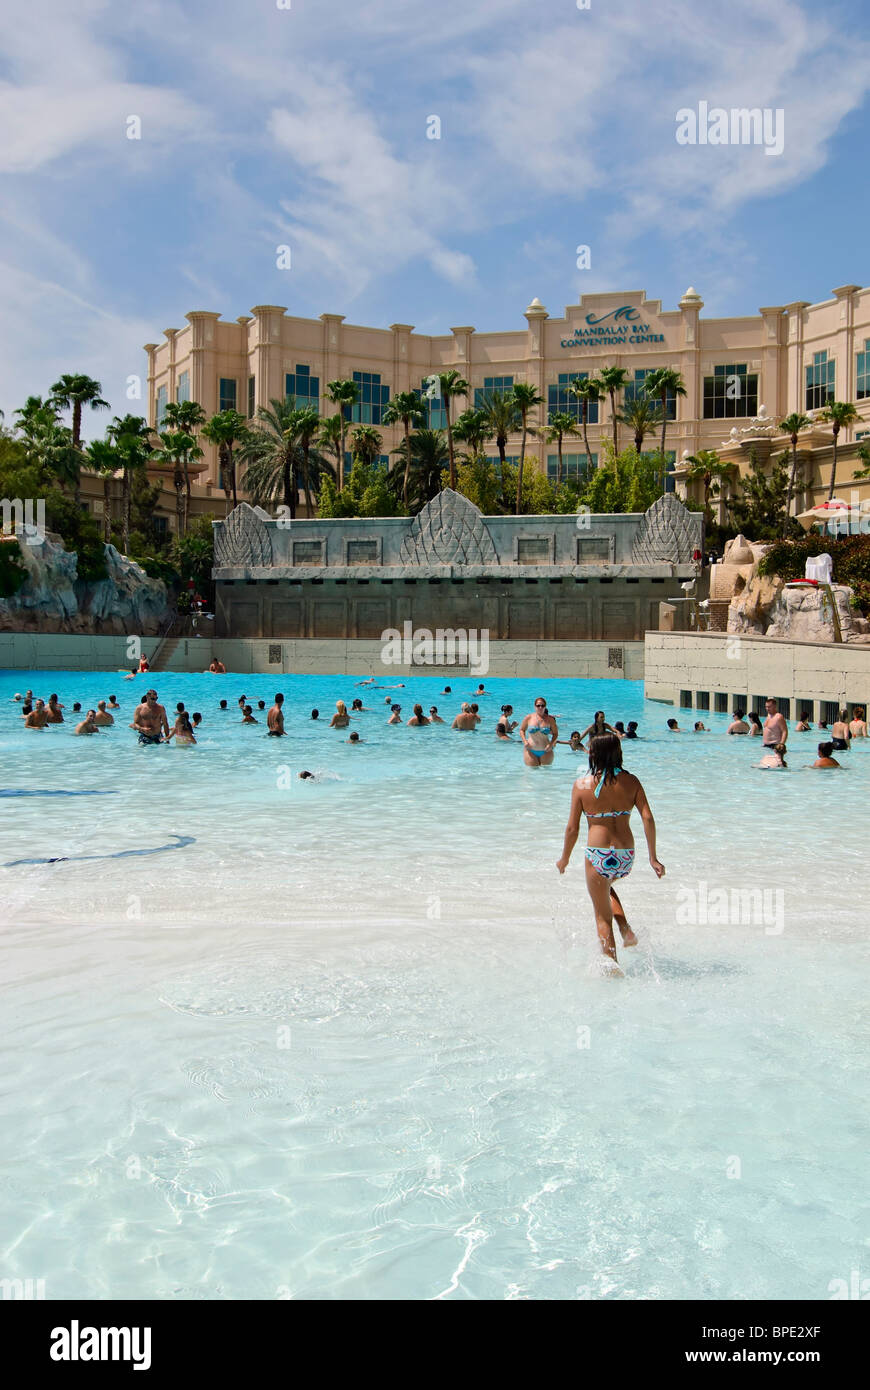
{"x":53,"y":599}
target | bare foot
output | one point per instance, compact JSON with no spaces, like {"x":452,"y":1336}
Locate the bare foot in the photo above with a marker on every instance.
{"x":628,"y":936}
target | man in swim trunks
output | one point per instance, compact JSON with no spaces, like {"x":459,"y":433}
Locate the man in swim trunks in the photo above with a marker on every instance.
{"x":149,"y":719}
{"x":217,"y":668}
{"x":841,"y":733}
{"x":540,"y":734}
{"x":37,"y":718}
{"x":275,"y":718}
{"x":774,"y":730}
{"x":102,"y":716}
{"x":89,"y":723}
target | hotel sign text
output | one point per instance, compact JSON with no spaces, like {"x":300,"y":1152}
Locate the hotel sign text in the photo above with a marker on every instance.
{"x":608,"y":331}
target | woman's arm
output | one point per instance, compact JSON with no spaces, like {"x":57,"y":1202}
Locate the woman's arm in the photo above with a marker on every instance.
{"x":649,"y":829}
{"x":572,"y":829}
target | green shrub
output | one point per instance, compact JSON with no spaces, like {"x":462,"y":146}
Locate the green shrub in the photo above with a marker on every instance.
{"x":12,"y":572}
{"x":850,"y":556}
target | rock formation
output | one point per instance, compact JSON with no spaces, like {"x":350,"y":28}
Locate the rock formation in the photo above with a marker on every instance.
{"x":53,"y":599}
{"x":766,"y":606}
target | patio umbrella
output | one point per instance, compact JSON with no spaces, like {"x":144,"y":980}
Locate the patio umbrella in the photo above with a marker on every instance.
{"x":837,"y":512}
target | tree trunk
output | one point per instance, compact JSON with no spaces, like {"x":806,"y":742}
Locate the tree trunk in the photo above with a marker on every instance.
{"x":638,"y":440}
{"x":834,"y":465}
{"x":407,"y":463}
{"x":306,"y":480}
{"x":613,"y":419}
{"x":501,"y":443}
{"x":559,"y":463}
{"x":450,"y":442}
{"x":186,"y":496}
{"x":107,"y":507}
{"x":664,"y":423}
{"x":178,"y":481}
{"x":585,"y":409}
{"x":126,"y":507}
{"x":233,"y":474}
{"x":522,"y":464}
{"x":341,"y":453}
{"x":289,"y":490}
{"x":791,"y":478}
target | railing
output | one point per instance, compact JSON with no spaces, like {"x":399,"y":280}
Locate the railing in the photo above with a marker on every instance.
{"x":164,"y":637}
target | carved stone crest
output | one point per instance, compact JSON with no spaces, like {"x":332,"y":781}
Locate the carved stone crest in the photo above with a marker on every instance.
{"x":666,"y":534}
{"x":448,"y":531}
{"x":243,"y":540}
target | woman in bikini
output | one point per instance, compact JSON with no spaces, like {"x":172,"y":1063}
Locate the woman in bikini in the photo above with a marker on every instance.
{"x":540,"y":734}
{"x":182,"y":732}
{"x":608,"y":795}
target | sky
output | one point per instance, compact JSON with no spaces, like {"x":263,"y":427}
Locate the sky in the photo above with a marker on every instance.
{"x":306,"y":124}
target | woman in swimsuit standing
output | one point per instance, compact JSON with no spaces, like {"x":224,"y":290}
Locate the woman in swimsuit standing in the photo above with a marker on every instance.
{"x":539,"y":733}
{"x":608,"y":795}
{"x":598,"y":726}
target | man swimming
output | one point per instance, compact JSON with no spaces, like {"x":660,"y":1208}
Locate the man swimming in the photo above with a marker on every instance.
{"x":89,"y":723}
{"x":102,"y":716}
{"x":53,"y":712}
{"x":36,"y":718}
{"x":113,"y":703}
{"x":275,"y":718}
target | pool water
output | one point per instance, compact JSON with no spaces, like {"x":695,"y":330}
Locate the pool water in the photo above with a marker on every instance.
{"x":345,"y":1037}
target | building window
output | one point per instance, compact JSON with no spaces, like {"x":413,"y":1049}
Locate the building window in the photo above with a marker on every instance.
{"x":227,"y":393}
{"x":512,"y":459}
{"x":308,"y":552}
{"x":160,"y":526}
{"x":636,"y":391}
{"x":595,"y":550}
{"x":573,"y":466}
{"x":435,"y":412}
{"x":820,"y":381}
{"x":535,"y":550}
{"x":731,"y":392}
{"x":303,"y":387}
{"x":863,"y":375}
{"x":162,"y":396}
{"x":560,"y":399}
{"x":492,"y":384}
{"x":363,"y":553}
{"x":182,"y":390}
{"x":373,"y":397}
{"x":252,"y":396}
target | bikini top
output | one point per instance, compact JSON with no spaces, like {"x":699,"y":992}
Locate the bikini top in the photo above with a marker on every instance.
{"x":605,"y":815}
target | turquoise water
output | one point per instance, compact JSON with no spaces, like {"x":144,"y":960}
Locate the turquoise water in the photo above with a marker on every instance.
{"x":349,"y":1042}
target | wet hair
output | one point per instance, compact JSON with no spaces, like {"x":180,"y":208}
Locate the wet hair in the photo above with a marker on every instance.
{"x":447,"y":690}
{"x":433,"y":709}
{"x":605,"y":756}
{"x":507,"y":709}
{"x":261,"y":704}
{"x":248,"y":710}
{"x":279,"y":698}
{"x":619,"y":726}
{"x":632,"y":723}
{"x":52,"y":697}
{"x":354,"y":738}
{"x":699,"y":724}
{"x":357,"y":704}
{"x":823,"y":724}
{"x":111,"y":697}
{"x":474,"y":709}
{"x":780,"y":749}
{"x":241,"y":700}
{"x":754,"y":718}
{"x":27,"y":707}
{"x":197,"y":717}
{"x":575,"y":733}
{"x":76,"y":707}
{"x":418,"y":710}
{"x":501,"y":727}
{"x":739,"y":714}
{"x":223,"y":704}
{"x":672,"y":723}
{"x":315,"y":714}
{"x":179,"y":708}
{"x":185,"y":720}
{"x":825,"y":750}
{"x":394,"y":708}
{"x":303,"y":775}
{"x":805,"y":715}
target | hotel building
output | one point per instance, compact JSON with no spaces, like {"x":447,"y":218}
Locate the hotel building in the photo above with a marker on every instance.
{"x":784,"y":358}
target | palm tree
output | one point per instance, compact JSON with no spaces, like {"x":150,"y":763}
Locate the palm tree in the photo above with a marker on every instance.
{"x":103,"y":458}
{"x":225,"y":430}
{"x":304,"y":429}
{"x":132,"y":435}
{"x":792,"y":426}
{"x":406,"y":409}
{"x":588,"y":391}
{"x":664,"y":382}
{"x":473,"y":428}
{"x":367,"y":444}
{"x":77,"y":391}
{"x":329,"y":439}
{"x":526,"y":397}
{"x":611,"y":380}
{"x":344,"y":393}
{"x":838,"y":414}
{"x":707,"y":466}
{"x":177,"y":450}
{"x":451,"y":383}
{"x":561,"y":423}
{"x":187,"y":417}
{"x":48,"y":445}
{"x":429,"y":457}
{"x":503,"y":415}
{"x":641,"y":416}
{"x":273,"y":458}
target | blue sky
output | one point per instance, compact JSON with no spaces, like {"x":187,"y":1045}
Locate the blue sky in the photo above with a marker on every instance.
{"x":307,"y":127}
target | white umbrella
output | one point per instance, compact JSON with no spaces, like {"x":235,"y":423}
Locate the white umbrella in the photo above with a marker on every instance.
{"x":837,"y":513}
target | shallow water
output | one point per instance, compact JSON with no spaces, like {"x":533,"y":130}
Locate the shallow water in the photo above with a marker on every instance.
{"x":349,"y":1041}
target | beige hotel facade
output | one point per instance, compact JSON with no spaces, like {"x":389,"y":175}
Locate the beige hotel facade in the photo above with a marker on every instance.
{"x":742,"y":375}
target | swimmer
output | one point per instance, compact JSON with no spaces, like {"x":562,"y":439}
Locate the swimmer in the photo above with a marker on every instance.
{"x":36,"y":718}
{"x":502,"y":734}
{"x":395,"y":714}
{"x":315,"y":714}
{"x":149,"y":719}
{"x":540,"y":734}
{"x":619,"y":728}
{"x":824,"y":759}
{"x":102,"y":716}
{"x":575,"y":743}
{"x":113,"y":703}
{"x":371,"y":681}
{"x":242,"y":701}
{"x":631,"y":731}
{"x":738,"y":724}
{"x":388,"y":700}
{"x":841,"y":733}
{"x":418,"y":718}
{"x":858,"y":723}
{"x":447,"y":690}
{"x":357,"y":707}
{"x":434,"y":716}
{"x":28,"y":697}
{"x":216,"y":668}
{"x":465,"y":720}
{"x":15,"y":698}
{"x":400,"y":685}
{"x":182,"y":731}
{"x":53,"y":711}
{"x":755,"y":728}
{"x":804,"y":724}
{"x":26,"y":709}
{"x":223,"y":706}
{"x":700,"y":727}
{"x":133,"y":674}
{"x":341,"y":718}
{"x":248,"y":716}
{"x":598,"y":726}
{"x":507,"y":711}
{"x":608,"y":795}
{"x":179,"y":708}
{"x":197,"y":719}
{"x":822,"y":725}
{"x":275,"y":718}
{"x":480,"y":691}
{"x":674,"y":727}
{"x":773,"y":757}
{"x":261,"y":704}
{"x":89,"y":723}
{"x":76,"y":709}
{"x":354,"y":738}
{"x":304,"y":776}
{"x":474,"y":711}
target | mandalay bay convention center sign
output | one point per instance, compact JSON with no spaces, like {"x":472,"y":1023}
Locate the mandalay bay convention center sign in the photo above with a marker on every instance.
{"x":613,"y":330}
